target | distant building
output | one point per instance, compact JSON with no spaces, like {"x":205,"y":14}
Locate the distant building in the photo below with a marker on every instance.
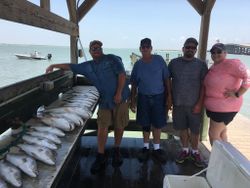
{"x":241,"y":49}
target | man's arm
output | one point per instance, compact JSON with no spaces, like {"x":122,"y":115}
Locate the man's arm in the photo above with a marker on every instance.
{"x":168,"y":94}
{"x":64,"y":66}
{"x":198,"y":106}
{"x":133,"y":97}
{"x":120,"y":86}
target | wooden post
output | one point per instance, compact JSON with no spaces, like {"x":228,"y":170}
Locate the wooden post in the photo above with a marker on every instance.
{"x":45,"y":4}
{"x":204,"y":8}
{"x":202,"y":53}
{"x":73,"y":39}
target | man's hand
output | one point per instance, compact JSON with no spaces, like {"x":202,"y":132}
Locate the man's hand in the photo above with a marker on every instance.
{"x":132,"y":106}
{"x":117,"y":98}
{"x":49,"y":69}
{"x":197,"y":109}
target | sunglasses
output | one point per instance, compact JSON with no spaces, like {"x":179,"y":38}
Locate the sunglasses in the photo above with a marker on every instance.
{"x":94,"y":49}
{"x":216,"y":52}
{"x":145,"y":46}
{"x":190,"y":47}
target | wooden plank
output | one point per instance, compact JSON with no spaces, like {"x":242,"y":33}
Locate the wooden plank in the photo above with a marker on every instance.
{"x":84,"y":8}
{"x":73,"y":39}
{"x":22,"y":11}
{"x":197,"y":5}
{"x":18,"y":88}
{"x":72,"y":10}
{"x":24,"y":104}
{"x":45,"y":4}
{"x":202,"y":53}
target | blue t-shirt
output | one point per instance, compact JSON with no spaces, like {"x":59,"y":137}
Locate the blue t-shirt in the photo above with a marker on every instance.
{"x":104,"y":76}
{"x":150,"y":77}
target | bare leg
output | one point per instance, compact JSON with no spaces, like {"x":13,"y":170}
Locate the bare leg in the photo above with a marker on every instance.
{"x":224,"y":135}
{"x":118,"y":136}
{"x":215,"y":130}
{"x":146,"y":136}
{"x":156,"y":135}
{"x":184,"y":138}
{"x":194,"y":141}
{"x":102,"y":139}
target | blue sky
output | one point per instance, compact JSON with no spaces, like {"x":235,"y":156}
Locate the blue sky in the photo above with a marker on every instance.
{"x":123,"y":23}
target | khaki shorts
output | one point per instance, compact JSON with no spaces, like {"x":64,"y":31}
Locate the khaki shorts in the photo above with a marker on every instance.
{"x":119,"y":116}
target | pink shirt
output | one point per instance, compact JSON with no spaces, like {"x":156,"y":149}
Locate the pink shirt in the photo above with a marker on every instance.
{"x":229,"y":74}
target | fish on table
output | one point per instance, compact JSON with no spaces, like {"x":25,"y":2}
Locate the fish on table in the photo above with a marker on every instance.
{"x":24,"y":163}
{"x":40,"y":153}
{"x":10,"y":174}
{"x":50,"y":136}
{"x":39,"y":141}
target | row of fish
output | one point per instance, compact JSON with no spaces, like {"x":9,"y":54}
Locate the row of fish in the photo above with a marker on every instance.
{"x":44,"y":134}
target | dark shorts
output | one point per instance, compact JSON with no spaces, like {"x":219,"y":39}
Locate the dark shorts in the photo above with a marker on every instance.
{"x":225,"y":117}
{"x":183,"y":118}
{"x":151,"y":111}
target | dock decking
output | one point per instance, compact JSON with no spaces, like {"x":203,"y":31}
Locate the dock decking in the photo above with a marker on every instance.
{"x":238,"y":135}
{"x":132,"y":173}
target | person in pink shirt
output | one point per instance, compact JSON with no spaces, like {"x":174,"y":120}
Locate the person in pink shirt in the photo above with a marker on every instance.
{"x":225,"y":83}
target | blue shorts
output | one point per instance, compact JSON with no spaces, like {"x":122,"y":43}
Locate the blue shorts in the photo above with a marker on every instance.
{"x":151,"y":111}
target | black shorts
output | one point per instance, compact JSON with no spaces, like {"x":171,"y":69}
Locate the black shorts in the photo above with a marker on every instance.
{"x":225,"y":117}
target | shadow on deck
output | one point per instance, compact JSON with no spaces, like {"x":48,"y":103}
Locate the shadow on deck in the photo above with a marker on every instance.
{"x":132,"y":173}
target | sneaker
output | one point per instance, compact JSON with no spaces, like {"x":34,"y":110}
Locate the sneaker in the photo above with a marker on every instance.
{"x":159,"y":155}
{"x":182,"y":157}
{"x":196,"y":158}
{"x":99,"y":164}
{"x":143,"y":156}
{"x":117,"y":158}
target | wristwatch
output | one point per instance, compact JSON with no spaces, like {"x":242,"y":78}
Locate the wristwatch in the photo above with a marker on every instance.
{"x":237,"y":94}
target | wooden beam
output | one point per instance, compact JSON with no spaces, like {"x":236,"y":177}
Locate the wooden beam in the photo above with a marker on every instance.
{"x":204,"y":29}
{"x":84,"y":8}
{"x":72,"y":11}
{"x":45,"y":4}
{"x":197,"y":5}
{"x":202,"y":52}
{"x":22,"y":11}
{"x":73,"y":39}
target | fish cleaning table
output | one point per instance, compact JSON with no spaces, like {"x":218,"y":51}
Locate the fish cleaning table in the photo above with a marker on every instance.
{"x":49,"y":176}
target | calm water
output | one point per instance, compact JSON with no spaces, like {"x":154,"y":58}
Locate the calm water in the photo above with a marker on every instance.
{"x":14,"y":70}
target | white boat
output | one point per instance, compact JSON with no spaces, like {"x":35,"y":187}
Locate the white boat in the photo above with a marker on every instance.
{"x":34,"y":55}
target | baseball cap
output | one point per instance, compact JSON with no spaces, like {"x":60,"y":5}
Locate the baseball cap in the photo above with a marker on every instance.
{"x":95,"y":42}
{"x":191,"y":40}
{"x":218,"y":46}
{"x":146,"y":41}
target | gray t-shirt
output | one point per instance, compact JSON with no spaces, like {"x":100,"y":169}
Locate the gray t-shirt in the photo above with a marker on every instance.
{"x":187,"y":77}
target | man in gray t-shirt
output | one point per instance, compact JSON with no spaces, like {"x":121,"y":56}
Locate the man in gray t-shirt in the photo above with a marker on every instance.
{"x":187,"y":74}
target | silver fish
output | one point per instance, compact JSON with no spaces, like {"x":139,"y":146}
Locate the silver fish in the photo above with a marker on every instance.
{"x":52,"y":137}
{"x":52,"y":130}
{"x":10,"y":174}
{"x":59,"y":123}
{"x":69,"y":117}
{"x":23,"y":162}
{"x":3,"y":184}
{"x":39,"y":141}
{"x":39,"y":152}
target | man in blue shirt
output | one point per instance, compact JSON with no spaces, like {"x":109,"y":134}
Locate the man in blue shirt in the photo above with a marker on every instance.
{"x":150,"y":77}
{"x":107,"y":74}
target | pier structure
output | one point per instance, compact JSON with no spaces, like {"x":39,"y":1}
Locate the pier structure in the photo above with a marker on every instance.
{"x":241,"y":49}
